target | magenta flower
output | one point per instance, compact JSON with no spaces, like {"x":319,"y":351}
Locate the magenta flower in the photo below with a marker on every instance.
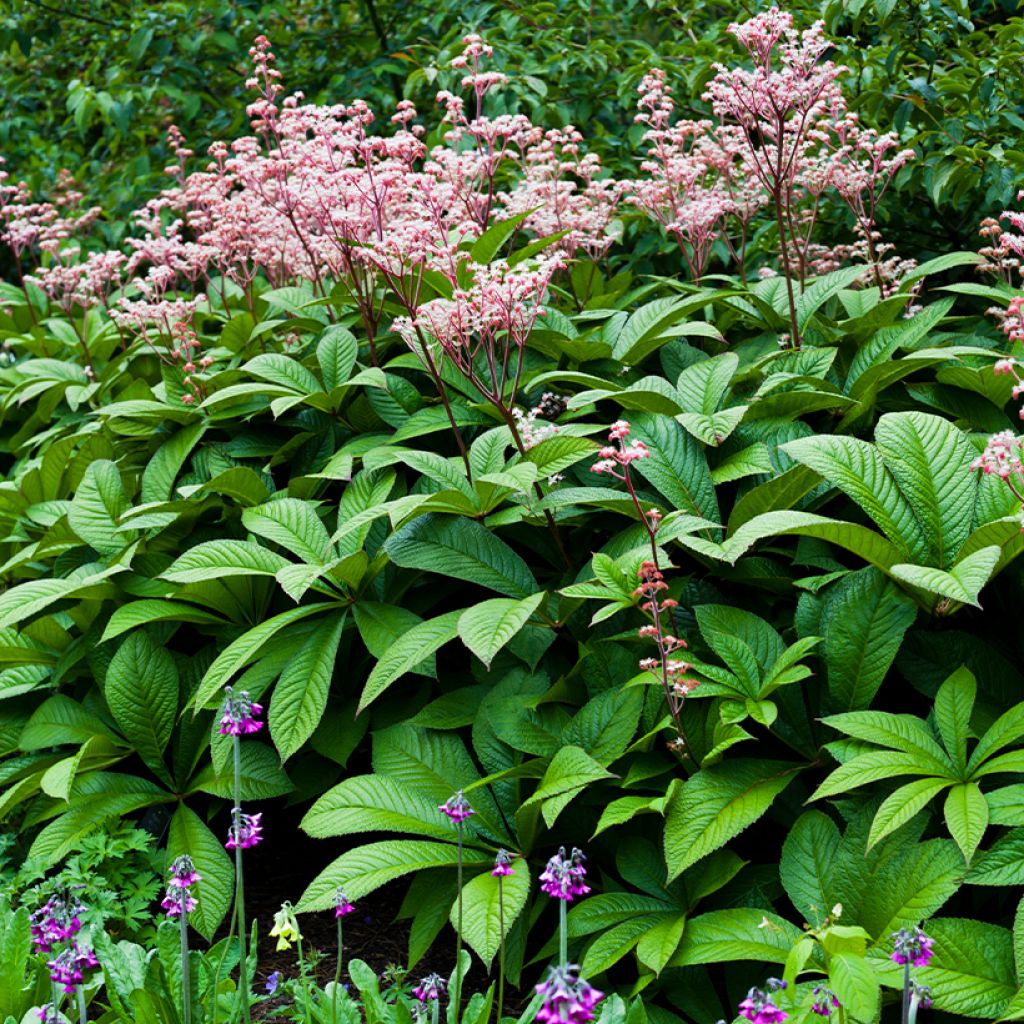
{"x":619,"y":453}
{"x":183,"y":872}
{"x":913,"y":947}
{"x":563,"y":876}
{"x":758,"y":1007}
{"x":239,"y":714}
{"x":341,"y":903}
{"x":502,"y":864}
{"x":431,"y":987}
{"x":457,"y":808}
{"x":177,"y":901}
{"x":248,"y":832}
{"x":825,"y":1001}
{"x":568,"y":999}
{"x":56,"y":921}
{"x":67,"y":967}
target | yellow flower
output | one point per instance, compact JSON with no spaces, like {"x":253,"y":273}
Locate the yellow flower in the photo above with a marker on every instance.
{"x":286,"y":927}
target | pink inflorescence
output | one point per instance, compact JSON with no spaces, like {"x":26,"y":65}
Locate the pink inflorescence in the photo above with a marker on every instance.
{"x":68,"y":967}
{"x":568,"y":999}
{"x":563,"y":877}
{"x":502,"y":864}
{"x":457,"y":808}
{"x":431,"y":987}
{"x":759,"y":1006}
{"x":825,"y":1001}
{"x":239,"y":714}
{"x":247,"y":832}
{"x":341,"y":903}
{"x":178,"y":898}
{"x":56,"y":921}
{"x":619,"y":454}
{"x":912,"y":947}
{"x":1002,"y":456}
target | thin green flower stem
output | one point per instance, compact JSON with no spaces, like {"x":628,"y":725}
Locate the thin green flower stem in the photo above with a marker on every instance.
{"x":501,"y":947}
{"x":337,"y":976}
{"x":212,"y":991}
{"x":55,"y":996}
{"x":243,"y":981}
{"x":563,"y":934}
{"x":186,"y":978}
{"x":905,"y":1015}
{"x":82,"y":1015}
{"x":458,"y":935}
{"x":435,"y":1011}
{"x":304,"y":976}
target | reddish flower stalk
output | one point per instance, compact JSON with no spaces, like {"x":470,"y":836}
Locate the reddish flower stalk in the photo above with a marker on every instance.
{"x":669,"y":671}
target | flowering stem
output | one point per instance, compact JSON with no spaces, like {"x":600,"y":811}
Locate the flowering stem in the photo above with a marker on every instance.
{"x":337,"y":976}
{"x":501,"y":947}
{"x":905,"y":1015}
{"x":82,"y":1015}
{"x":456,"y":996}
{"x":435,"y":1011}
{"x":563,"y":933}
{"x":303,"y":975}
{"x":787,"y":271}
{"x":243,"y":982}
{"x":186,"y":980}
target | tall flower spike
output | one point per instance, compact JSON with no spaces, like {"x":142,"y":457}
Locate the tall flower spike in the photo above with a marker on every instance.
{"x":912,"y":947}
{"x":502,"y":864}
{"x":341,"y":903}
{"x":759,"y":1008}
{"x":430,"y":988}
{"x":457,"y":808}
{"x":248,"y":832}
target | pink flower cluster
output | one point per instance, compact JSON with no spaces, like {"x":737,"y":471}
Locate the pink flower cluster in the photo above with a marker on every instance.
{"x":179,"y":899}
{"x":912,"y":947}
{"x":502,"y":864}
{"x":56,"y":921}
{"x":341,"y":904}
{"x":619,"y":454}
{"x":568,"y":998}
{"x":239,"y":714}
{"x":457,"y":808}
{"x":430,"y":988}
{"x":68,"y":967}
{"x":563,"y":877}
{"x":246,"y":832}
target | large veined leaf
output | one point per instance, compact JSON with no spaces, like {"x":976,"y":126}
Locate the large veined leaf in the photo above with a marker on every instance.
{"x":409,"y":651}
{"x":138,"y":613}
{"x":300,"y":696}
{"x":294,"y":525}
{"x":163,"y":468}
{"x":214,"y":558}
{"x":464,"y":549}
{"x":864,"y":619}
{"x":809,"y":859}
{"x":487,"y":627}
{"x":962,"y":583}
{"x":717,"y":804}
{"x":966,"y":813}
{"x":820,"y":290}
{"x":141,"y":688}
{"x":336,"y":353}
{"x":367,"y":868}
{"x":902,"y":804}
{"x":931,"y":461}
{"x":97,"y":508}
{"x":490,"y":907}
{"x":857,"y":469}
{"x":739,"y":933}
{"x":677,"y":466}
{"x":28,"y":599}
{"x":277,"y":368}
{"x":215,"y":889}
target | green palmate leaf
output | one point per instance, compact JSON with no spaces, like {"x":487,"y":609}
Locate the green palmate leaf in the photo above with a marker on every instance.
{"x":717,"y":804}
{"x":857,"y":469}
{"x":865,"y":768}
{"x":216,"y":558}
{"x":953,"y":706}
{"x":966,"y":813}
{"x":375,"y":803}
{"x":138,"y":613}
{"x":363,"y":870}
{"x":736,"y":934}
{"x":659,"y":943}
{"x":409,"y":651}
{"x":931,"y":461}
{"x":336,"y":353}
{"x":611,"y":946}
{"x":487,"y":627}
{"x":490,"y":907}
{"x":141,"y":688}
{"x":243,"y":650}
{"x":188,"y":835}
{"x":901,"y":732}
{"x":856,"y":985}
{"x":486,"y":247}
{"x":703,"y":385}
{"x":162,"y":470}
{"x":464,"y":549}
{"x":864,"y":619}
{"x":677,"y":466}
{"x":280,"y":369}
{"x":558,"y":453}
{"x":569,"y":772}
{"x":262,"y":776}
{"x":294,"y":525}
{"x":809,"y":856}
{"x":962,"y":583}
{"x":97,"y":508}
{"x":899,"y":807}
{"x":300,"y":696}
{"x":816,"y":294}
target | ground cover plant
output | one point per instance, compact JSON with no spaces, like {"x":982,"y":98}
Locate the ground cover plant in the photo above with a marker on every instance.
{"x":609,"y":548}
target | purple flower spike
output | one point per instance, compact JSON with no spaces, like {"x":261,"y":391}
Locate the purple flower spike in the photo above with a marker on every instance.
{"x":238,"y":714}
{"x":183,"y":873}
{"x":568,"y":999}
{"x":341,"y":904}
{"x":825,"y":1001}
{"x":67,"y":967}
{"x":912,"y":947}
{"x":457,"y":807}
{"x":431,"y":987}
{"x":502,"y":864}
{"x":758,"y":1008}
{"x":563,"y":876}
{"x":56,"y":921}
{"x":247,"y":833}
{"x":178,"y":901}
